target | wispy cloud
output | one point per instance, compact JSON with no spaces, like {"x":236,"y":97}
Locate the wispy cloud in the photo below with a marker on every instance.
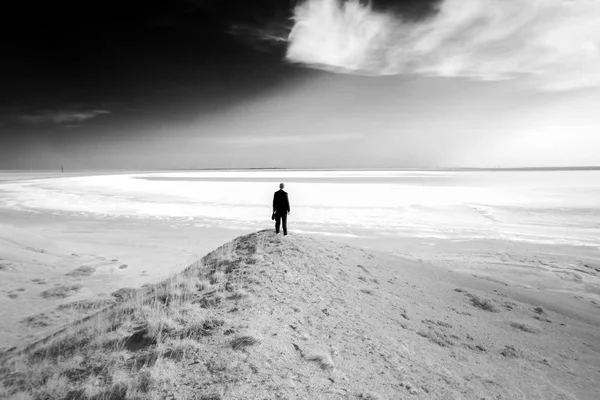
{"x":288,"y":139}
{"x":61,"y":116}
{"x":555,"y":43}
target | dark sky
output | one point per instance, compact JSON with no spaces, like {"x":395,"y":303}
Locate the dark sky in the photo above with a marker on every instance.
{"x":122,"y":64}
{"x":81,"y":54}
{"x":217,"y":83}
{"x":112,"y":51}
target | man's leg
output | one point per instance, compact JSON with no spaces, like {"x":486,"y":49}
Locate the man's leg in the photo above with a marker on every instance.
{"x":284,"y":218}
{"x":277,"y":222}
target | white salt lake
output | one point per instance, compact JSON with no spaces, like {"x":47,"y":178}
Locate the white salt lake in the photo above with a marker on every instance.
{"x":550,"y":207}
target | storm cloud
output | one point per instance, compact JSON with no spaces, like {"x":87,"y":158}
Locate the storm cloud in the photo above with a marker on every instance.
{"x":555,"y":44}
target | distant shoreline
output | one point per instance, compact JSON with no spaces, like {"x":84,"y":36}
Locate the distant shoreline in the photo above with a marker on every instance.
{"x":144,"y":171}
{"x":526,"y":169}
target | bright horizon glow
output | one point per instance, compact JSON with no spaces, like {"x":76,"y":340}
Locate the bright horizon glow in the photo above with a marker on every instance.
{"x":333,"y":121}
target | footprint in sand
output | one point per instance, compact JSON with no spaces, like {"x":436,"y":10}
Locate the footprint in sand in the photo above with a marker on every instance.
{"x":568,"y":276}
{"x":6,"y":266}
{"x":591,"y":266}
{"x":123,"y":266}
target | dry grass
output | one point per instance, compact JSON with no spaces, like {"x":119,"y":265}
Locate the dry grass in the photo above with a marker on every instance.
{"x":238,"y":294}
{"x":524,"y":327}
{"x":369,"y":396}
{"x":61,"y":292}
{"x":56,"y":387}
{"x":19,"y":396}
{"x":84,"y":270}
{"x":86,"y":305}
{"x":439,"y":338}
{"x":244,"y":341}
{"x":124,"y":294}
{"x":483,"y":304}
{"x":134,"y":347}
{"x":510,"y":352}
{"x":37,"y":321}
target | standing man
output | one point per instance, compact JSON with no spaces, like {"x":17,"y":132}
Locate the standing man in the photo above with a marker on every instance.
{"x":281,"y":209}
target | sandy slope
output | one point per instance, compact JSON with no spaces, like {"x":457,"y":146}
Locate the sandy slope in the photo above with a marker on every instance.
{"x":306,"y":318}
{"x":41,"y":254}
{"x":338,"y":321}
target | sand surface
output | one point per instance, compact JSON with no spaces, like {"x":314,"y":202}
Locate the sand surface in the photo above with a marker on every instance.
{"x":398,"y":304}
{"x":307,"y":318}
{"x":338,"y":321}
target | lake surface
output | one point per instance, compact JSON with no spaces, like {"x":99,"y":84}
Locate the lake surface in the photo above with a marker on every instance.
{"x":560,"y":207}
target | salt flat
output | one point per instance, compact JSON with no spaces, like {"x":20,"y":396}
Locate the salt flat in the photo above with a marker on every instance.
{"x":537,"y":230}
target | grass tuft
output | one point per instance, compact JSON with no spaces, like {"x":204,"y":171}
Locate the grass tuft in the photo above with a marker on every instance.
{"x":84,"y":270}
{"x":436,"y":337}
{"x":369,"y":396}
{"x":243,"y":342}
{"x":510,"y":352}
{"x":56,"y":387}
{"x":85,"y":305}
{"x":238,"y":294}
{"x":124,"y":294}
{"x":61,"y":292}
{"x":212,"y":396}
{"x":524,"y":327}
{"x":483,"y":304}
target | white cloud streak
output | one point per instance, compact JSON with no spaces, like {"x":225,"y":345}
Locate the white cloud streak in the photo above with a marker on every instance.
{"x":62,"y":116}
{"x":554,"y":43}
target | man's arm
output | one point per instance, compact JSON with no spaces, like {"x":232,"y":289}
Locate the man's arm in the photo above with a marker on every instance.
{"x":274,"y":201}
{"x":287,"y":203}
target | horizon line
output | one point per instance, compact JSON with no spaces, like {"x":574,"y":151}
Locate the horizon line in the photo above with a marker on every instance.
{"x":126,"y":170}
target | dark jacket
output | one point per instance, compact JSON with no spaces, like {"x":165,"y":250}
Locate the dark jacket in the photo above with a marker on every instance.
{"x":281,"y":204}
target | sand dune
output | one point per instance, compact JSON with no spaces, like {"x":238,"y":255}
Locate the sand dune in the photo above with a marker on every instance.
{"x":301,"y":317}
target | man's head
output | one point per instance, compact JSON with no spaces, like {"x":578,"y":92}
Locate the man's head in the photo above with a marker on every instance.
{"x":281,"y":186}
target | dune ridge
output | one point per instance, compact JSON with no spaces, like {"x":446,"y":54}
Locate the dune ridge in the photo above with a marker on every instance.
{"x":305,"y":318}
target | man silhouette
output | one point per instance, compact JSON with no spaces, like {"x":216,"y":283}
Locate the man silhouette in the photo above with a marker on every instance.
{"x":281,"y":209}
